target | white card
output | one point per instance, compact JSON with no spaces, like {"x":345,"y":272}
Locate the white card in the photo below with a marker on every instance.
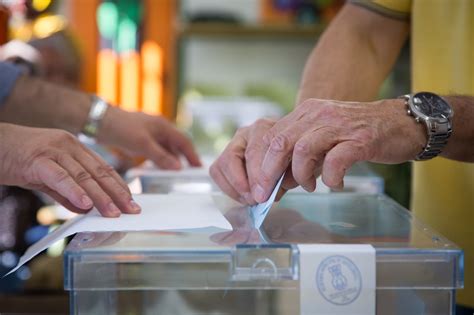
{"x":337,"y":279}
{"x":259,"y":212}
{"x":159,"y":212}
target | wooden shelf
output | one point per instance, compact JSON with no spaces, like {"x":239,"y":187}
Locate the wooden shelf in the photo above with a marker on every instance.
{"x":250,"y":31}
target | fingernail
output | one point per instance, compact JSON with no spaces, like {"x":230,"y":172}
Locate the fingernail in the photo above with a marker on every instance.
{"x":135,"y":207}
{"x":259,"y":194}
{"x":113,"y":209}
{"x":87,"y":202}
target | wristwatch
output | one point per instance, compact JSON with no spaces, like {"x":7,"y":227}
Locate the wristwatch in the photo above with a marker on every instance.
{"x":96,"y":113}
{"x":436,"y":113}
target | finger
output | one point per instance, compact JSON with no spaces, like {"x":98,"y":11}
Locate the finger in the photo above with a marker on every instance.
{"x":278,"y":156}
{"x":115,"y":175}
{"x":338,"y":160}
{"x":232,"y":165}
{"x":63,"y":201}
{"x":186,"y":147}
{"x":223,"y":184}
{"x":58,"y":179}
{"x":308,"y":156}
{"x":162,"y":158}
{"x":255,"y":153}
{"x":103,"y":174}
{"x":81,"y":176}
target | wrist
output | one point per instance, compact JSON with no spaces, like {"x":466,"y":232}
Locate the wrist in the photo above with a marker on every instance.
{"x":408,"y":131}
{"x":97,"y":111}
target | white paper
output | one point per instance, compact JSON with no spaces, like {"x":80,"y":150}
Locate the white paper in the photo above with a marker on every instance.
{"x":337,"y":279}
{"x":259,"y":212}
{"x":159,"y":212}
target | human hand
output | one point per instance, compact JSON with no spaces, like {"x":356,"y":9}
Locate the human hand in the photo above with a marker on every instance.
{"x":56,"y":163}
{"x":144,"y":135}
{"x":234,"y":170}
{"x":319,"y":137}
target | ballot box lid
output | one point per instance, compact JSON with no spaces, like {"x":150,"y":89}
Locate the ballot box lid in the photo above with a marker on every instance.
{"x":409,"y":254}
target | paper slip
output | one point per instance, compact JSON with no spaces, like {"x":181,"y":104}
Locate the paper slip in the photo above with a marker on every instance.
{"x":259,"y":212}
{"x":159,"y":212}
{"x":337,"y":279}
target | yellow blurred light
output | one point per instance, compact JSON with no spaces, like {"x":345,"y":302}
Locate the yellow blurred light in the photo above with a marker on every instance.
{"x":40,"y":5}
{"x":46,"y":215}
{"x":129,"y":80}
{"x":152,"y":86}
{"x":107,"y":62}
{"x":47,"y":25}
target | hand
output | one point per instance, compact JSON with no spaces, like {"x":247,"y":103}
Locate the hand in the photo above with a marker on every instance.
{"x":144,"y":135}
{"x":318,"y":137}
{"x":56,"y":163}
{"x":234,"y":170}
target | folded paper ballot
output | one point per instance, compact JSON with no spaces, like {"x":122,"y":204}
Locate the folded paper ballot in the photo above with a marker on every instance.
{"x":259,"y":211}
{"x":159,"y":212}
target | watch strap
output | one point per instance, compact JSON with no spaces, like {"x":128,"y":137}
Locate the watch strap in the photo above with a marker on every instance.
{"x":96,"y":113}
{"x":438,"y":133}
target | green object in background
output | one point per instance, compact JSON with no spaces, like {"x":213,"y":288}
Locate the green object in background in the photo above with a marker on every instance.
{"x":283,"y":95}
{"x":127,"y":35}
{"x":107,"y":19}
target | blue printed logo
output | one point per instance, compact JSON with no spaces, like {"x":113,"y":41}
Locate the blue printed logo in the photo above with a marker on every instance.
{"x":339,"y":280}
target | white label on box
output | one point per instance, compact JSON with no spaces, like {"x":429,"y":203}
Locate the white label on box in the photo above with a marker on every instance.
{"x":337,"y":279}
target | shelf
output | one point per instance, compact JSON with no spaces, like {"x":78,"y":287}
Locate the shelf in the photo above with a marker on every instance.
{"x":250,"y":31}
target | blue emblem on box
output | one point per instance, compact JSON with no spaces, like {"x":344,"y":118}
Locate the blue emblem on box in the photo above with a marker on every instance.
{"x":339,"y":280}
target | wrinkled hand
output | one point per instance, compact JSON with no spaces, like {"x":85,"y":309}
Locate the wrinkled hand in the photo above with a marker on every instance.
{"x":56,"y":163}
{"x":144,"y":135}
{"x":319,"y":137}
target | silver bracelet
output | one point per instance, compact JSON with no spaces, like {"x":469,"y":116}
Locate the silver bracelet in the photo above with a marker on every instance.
{"x":96,"y":113}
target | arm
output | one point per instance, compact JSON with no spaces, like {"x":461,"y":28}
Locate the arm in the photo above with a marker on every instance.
{"x":349,"y":62}
{"x":353,"y":56}
{"x":36,"y":103}
{"x":460,"y":145}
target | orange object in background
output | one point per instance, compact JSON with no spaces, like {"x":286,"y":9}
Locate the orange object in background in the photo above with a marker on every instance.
{"x":4,"y":15}
{"x":107,"y":71}
{"x":129,"y":81}
{"x":152,"y":85}
{"x":271,"y":15}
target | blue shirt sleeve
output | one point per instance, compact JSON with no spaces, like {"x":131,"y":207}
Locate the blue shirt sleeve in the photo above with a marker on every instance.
{"x":8,"y":76}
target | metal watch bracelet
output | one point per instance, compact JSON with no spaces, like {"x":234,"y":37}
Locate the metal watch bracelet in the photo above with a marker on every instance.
{"x":437,"y":139}
{"x":96,"y":113}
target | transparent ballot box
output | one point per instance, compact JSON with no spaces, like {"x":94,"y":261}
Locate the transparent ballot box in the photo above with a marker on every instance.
{"x":360,"y":178}
{"x":257,"y":271}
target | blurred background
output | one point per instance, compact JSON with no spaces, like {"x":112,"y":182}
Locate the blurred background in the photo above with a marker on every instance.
{"x":212,"y":66}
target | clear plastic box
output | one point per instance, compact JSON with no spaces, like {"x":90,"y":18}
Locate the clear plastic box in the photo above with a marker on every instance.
{"x":249,"y":271}
{"x":360,"y":179}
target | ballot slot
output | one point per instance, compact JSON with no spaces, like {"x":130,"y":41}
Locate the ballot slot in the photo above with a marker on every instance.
{"x":264,"y":262}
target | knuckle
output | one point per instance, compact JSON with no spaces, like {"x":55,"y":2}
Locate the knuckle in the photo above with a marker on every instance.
{"x":251,"y":153}
{"x":302,"y":148}
{"x":60,"y":175}
{"x":82,"y":176}
{"x":103,"y":171}
{"x":264,"y":122}
{"x":280,"y":143}
{"x":65,"y":137}
{"x":241,"y":131}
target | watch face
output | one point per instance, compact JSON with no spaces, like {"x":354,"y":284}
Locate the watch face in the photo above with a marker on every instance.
{"x":431,"y":105}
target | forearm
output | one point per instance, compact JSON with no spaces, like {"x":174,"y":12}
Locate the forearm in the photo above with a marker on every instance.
{"x":353,"y":56}
{"x":461,"y":143}
{"x":37,"y":103}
